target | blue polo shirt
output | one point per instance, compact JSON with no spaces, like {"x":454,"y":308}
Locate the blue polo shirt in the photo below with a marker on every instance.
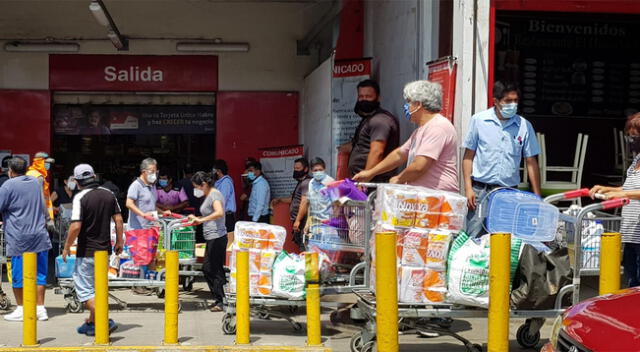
{"x":259,"y":198}
{"x":225,"y":186}
{"x":499,"y":147}
{"x":144,"y":196}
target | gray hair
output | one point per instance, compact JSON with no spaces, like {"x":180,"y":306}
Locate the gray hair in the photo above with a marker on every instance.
{"x":428,"y":93}
{"x":18,"y":165}
{"x":147,"y":162}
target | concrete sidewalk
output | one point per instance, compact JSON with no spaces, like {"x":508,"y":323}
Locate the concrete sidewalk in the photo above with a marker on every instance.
{"x":142,"y":324}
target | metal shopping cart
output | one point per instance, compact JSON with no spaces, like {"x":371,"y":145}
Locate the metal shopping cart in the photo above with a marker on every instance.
{"x":5,"y":302}
{"x":419,"y":317}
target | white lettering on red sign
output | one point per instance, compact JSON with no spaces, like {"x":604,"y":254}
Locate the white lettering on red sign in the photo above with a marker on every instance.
{"x":349,"y":68}
{"x":133,"y":74}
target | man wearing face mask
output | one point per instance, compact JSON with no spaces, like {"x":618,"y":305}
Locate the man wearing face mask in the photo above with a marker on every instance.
{"x":40,"y":170}
{"x":260,"y":193}
{"x":297,"y":208}
{"x":377,"y":135}
{"x":141,"y":196}
{"x":224,"y":184}
{"x":169,"y":197}
{"x":497,"y":140}
{"x":431,"y":152}
{"x":64,"y":195}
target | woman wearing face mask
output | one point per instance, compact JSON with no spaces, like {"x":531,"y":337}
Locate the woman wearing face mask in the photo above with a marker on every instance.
{"x":430,"y":154}
{"x":170,"y":198}
{"x":64,"y":194}
{"x":215,"y":234}
{"x":630,"y":227}
{"x":319,"y":206}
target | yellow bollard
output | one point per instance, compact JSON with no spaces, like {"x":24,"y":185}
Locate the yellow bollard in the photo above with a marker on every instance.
{"x":29,"y":300}
{"x":386,"y":292}
{"x":171,"y":298}
{"x":312,"y":277}
{"x":101,"y":272}
{"x":610,"y":263}
{"x":499,"y":278}
{"x":242,"y":297}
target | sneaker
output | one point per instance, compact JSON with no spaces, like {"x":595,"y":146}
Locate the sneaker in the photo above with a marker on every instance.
{"x":88,"y":329}
{"x":112,"y":326}
{"x":42,"y":314}
{"x":16,"y":315}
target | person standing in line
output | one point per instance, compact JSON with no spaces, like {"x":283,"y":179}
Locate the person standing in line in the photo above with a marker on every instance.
{"x":141,"y":196}
{"x":260,"y":193}
{"x":297,"y":208}
{"x":246,"y":192}
{"x":215,"y":233}
{"x":40,"y":170}
{"x":318,"y":205}
{"x":224,"y":184}
{"x":194,"y":203}
{"x":25,"y":231}
{"x":93,"y":210}
{"x":169,"y":197}
{"x":64,"y":194}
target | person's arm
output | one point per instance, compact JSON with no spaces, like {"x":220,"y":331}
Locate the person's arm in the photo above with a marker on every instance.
{"x":4,"y":198}
{"x":72,"y":235}
{"x":47,"y":216}
{"x":533,"y":170}
{"x":417,"y":168}
{"x":54,"y":199}
{"x":302,"y":212}
{"x":376,"y":153}
{"x":467,"y":171}
{"x":345,"y":148}
{"x":131,"y":205}
{"x":117,"y":219}
{"x":391,"y":162}
{"x":184,"y":201}
{"x":218,"y":212}
{"x":603,"y":190}
{"x":261,"y":202}
{"x":631,"y":194}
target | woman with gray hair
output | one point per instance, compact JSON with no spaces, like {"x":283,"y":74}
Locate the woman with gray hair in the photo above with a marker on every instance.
{"x":430,"y":153}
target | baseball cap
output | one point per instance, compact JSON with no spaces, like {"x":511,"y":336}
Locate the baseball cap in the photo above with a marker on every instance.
{"x":83,"y":171}
{"x":46,"y":157}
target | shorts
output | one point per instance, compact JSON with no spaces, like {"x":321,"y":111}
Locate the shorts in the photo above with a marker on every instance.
{"x":42,"y":259}
{"x":84,"y":278}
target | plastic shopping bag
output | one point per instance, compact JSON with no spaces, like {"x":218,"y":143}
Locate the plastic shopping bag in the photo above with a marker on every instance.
{"x":143,"y":245}
{"x":288,"y":276}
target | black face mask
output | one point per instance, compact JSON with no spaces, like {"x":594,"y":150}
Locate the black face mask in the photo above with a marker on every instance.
{"x":298,"y":174}
{"x":634,"y":143}
{"x":366,"y":108}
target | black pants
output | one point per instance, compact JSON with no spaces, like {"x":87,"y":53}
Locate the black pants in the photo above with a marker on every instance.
{"x":630,"y":261}
{"x":213,"y":267}
{"x":298,"y":235}
{"x":264,"y":219}
{"x":230,"y":221}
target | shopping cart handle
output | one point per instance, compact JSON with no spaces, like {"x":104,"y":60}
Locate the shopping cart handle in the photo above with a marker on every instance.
{"x":174,"y":215}
{"x":149,"y":218}
{"x":614,"y":203}
{"x":188,"y":224}
{"x":578,"y":193}
{"x":185,"y":220}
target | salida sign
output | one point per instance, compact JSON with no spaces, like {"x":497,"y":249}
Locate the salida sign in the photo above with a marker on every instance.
{"x":184,"y":73}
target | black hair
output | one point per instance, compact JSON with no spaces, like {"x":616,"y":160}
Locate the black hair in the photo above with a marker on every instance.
{"x":86,"y":182}
{"x":254,"y":164}
{"x":500,"y":89}
{"x":318,"y":161}
{"x":202,"y":177}
{"x":370,"y":83}
{"x":162,"y":173}
{"x":249,"y":161}
{"x":303,"y":161}
{"x":5,"y":161}
{"x":18,"y":165}
{"x":222,"y":166}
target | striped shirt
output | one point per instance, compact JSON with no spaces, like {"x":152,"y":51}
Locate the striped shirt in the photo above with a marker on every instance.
{"x":630,"y":227}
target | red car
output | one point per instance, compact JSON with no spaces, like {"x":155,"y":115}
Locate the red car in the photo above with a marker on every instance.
{"x":605,"y":323}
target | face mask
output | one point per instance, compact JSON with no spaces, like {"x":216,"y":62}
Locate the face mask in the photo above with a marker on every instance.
{"x":152,"y":178}
{"x":298,"y":174}
{"x":198,"y":193}
{"x":634,"y":143}
{"x":508,"y":110}
{"x":251,"y":176}
{"x":163,"y":183}
{"x":47,"y":166}
{"x":72,"y":185}
{"x":319,"y":175}
{"x":365,"y":108}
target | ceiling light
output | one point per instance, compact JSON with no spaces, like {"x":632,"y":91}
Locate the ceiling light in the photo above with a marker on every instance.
{"x":118,"y":41}
{"x":212,"y":47}
{"x":41,"y":47}
{"x":99,"y":14}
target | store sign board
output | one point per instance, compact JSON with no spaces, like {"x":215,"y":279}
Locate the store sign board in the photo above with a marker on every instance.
{"x":183,"y":73}
{"x":277,"y":166}
{"x":443,"y":71}
{"x":116,"y":119}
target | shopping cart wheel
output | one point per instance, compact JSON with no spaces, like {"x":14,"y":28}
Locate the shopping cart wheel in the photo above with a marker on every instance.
{"x":5,"y":303}
{"x":526,"y":338}
{"x":228,"y":324}
{"x":296,"y":326}
{"x":264,"y":315}
{"x":75,"y":306}
{"x":187,"y":284}
{"x":160,"y":293}
{"x":368,"y":347}
{"x":356,"y":342}
{"x":293,"y":309}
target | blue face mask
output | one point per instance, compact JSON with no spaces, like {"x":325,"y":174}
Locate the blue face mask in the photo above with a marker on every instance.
{"x":251,"y":176}
{"x":163,"y":183}
{"x":319,"y":175}
{"x":508,"y":110}
{"x":407,"y":112}
{"x":47,"y":166}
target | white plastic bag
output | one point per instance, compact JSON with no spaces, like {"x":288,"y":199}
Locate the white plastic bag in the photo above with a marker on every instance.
{"x":288,"y":276}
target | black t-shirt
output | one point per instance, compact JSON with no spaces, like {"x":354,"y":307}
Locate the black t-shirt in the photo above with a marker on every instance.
{"x":382,"y":126}
{"x":302,"y":188}
{"x":95,"y":207}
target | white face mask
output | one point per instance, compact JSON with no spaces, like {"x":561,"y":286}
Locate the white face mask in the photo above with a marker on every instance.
{"x":152,"y":178}
{"x":198,"y":193}
{"x":72,"y":185}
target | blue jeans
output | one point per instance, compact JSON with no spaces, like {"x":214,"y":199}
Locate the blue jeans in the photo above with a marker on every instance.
{"x":630,"y":257}
{"x":475,"y":220}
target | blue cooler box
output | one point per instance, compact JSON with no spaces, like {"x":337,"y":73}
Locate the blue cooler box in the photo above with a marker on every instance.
{"x":65,"y":270}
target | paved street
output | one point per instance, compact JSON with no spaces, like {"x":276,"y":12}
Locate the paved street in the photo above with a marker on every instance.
{"x":142,"y":324}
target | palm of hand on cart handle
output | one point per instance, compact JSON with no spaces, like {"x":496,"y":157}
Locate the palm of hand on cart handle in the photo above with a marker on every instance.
{"x":194,"y":219}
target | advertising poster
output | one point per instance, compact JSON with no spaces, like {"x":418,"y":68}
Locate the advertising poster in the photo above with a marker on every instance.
{"x":277,"y":166}
{"x":443,"y":71}
{"x":344,"y":95}
{"x":145,"y":119}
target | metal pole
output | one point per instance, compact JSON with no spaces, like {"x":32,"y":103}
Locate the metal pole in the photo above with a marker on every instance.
{"x":171,"y":298}
{"x":29,"y":300}
{"x":610,"y":263}
{"x":242,"y":297}
{"x":499,"y":278}
{"x":101,"y":269}
{"x":312,"y":276}
{"x":386,"y":292}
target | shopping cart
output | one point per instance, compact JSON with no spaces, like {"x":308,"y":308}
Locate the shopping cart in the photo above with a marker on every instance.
{"x":5,"y":302}
{"x":419,"y":317}
{"x":181,"y":238}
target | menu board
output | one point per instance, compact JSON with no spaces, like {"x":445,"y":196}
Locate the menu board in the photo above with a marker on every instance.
{"x":573,"y":65}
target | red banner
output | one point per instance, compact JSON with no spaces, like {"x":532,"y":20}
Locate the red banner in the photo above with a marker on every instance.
{"x":183,"y":73}
{"x":443,"y":71}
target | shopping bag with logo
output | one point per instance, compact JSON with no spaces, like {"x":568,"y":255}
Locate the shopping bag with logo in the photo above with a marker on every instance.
{"x":142,"y":244}
{"x":288,"y":276}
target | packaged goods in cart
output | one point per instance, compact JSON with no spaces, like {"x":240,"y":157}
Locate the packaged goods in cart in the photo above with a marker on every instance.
{"x":428,"y":209}
{"x":453,"y":213}
{"x":434,"y":286}
{"x":411,"y":280}
{"x":397,"y":205}
{"x":414,"y":248}
{"x":438,"y":249}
